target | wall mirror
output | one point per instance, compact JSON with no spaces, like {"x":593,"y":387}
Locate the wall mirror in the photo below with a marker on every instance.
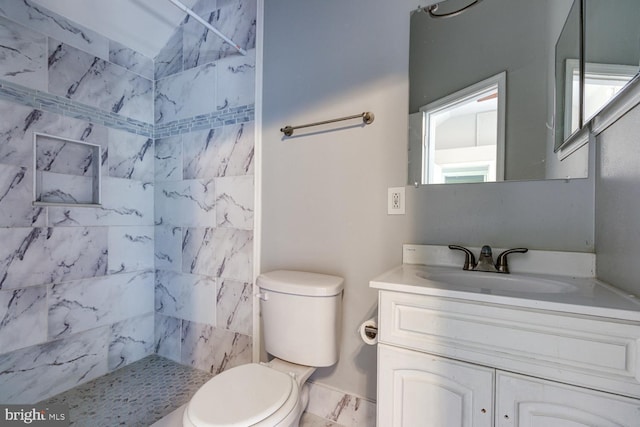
{"x":464,"y":125}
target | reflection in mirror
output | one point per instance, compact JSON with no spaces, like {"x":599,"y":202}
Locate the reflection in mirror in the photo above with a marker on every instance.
{"x":464,"y":135}
{"x":514,"y":37}
{"x":612,"y":50}
{"x":568,"y":75}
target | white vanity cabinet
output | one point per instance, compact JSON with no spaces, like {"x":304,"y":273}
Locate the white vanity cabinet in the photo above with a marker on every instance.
{"x":447,"y":362}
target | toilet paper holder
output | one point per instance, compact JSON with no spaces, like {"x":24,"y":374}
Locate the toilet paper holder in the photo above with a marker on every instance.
{"x":371,"y":331}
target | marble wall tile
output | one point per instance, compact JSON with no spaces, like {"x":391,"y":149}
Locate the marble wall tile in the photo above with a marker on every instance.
{"x":36,"y":256}
{"x":167,"y":337}
{"x":234,"y":202}
{"x":168,"y":248}
{"x":131,"y":340}
{"x":185,"y":203}
{"x":23,"y":318}
{"x":340,"y":407}
{"x":169,"y":60}
{"x":69,"y":189}
{"x":186,"y":94}
{"x":16,"y":195}
{"x":124,"y":202}
{"x":51,"y":24}
{"x":130,"y":156}
{"x":131,"y":60}
{"x":186,"y":296}
{"x":168,"y":159}
{"x":225,"y":151}
{"x":85,"y":304}
{"x":37,"y":372}
{"x":236,"y":81}
{"x":23,"y":55}
{"x":236,"y":19}
{"x":212,"y":349}
{"x":218,"y":252}
{"x":19,"y":122}
{"x":92,"y":81}
{"x":130,"y":249}
{"x":235,"y":306}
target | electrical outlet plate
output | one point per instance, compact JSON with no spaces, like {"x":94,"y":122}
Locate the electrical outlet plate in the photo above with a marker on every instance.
{"x":395,"y":201}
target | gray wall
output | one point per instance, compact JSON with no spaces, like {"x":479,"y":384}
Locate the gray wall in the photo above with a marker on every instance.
{"x":324,"y":191}
{"x":618,"y":203}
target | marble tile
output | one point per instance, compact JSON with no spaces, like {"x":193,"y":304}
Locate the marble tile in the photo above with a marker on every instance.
{"x":43,"y":20}
{"x":131,"y":340}
{"x":185,"y":203}
{"x":37,"y":256}
{"x":186,"y":296}
{"x":167,"y":336}
{"x":186,"y":94}
{"x":23,"y":318}
{"x":85,"y":304}
{"x":310,"y":420}
{"x":16,"y":195}
{"x":19,"y":123}
{"x":124,"y":202}
{"x":130,"y":249}
{"x":218,"y":252}
{"x":235,"y":19}
{"x":340,"y":407}
{"x":225,"y":151}
{"x":234,"y":202}
{"x":35,"y":373}
{"x":168,"y":159}
{"x":169,"y":60}
{"x":67,"y":189}
{"x":131,"y":60}
{"x":168,"y":248}
{"x":236,"y":81}
{"x":84,"y":78}
{"x":130,"y":156}
{"x":23,"y":55}
{"x":211,"y":349}
{"x":234,"y":306}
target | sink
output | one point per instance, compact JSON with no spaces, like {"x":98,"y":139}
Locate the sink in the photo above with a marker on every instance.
{"x":494,"y":282}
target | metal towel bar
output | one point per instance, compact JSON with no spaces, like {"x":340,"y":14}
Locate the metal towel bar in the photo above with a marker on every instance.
{"x":367,"y":118}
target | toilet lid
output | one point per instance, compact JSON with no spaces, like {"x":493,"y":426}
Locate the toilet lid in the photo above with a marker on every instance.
{"x":241,"y":396}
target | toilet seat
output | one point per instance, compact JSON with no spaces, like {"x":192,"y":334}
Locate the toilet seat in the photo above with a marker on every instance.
{"x":243,"y":396}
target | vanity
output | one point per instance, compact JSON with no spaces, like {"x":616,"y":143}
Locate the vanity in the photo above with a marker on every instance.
{"x":468,"y":348}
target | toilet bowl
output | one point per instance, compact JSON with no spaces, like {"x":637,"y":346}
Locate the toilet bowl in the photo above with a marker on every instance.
{"x":301,"y":314}
{"x":256,"y":394}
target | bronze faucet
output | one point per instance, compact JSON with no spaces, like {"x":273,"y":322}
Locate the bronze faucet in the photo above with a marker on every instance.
{"x":485,"y":260}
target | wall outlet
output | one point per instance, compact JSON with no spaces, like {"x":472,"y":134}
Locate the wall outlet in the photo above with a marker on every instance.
{"x":395,"y":201}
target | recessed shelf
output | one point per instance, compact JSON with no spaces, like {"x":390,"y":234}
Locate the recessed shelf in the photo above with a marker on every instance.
{"x":67,"y":172}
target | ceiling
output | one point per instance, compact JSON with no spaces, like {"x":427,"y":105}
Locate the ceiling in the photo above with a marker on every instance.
{"x":142,"y":25}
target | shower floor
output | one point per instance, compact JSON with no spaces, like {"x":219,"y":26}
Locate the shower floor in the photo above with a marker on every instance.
{"x":140,"y":394}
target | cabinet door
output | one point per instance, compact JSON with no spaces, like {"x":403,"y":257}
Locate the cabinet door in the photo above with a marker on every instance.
{"x":531,"y":402}
{"x":418,"y":389}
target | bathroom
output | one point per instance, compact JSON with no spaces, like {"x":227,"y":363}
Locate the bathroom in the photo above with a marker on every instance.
{"x":157,"y":271}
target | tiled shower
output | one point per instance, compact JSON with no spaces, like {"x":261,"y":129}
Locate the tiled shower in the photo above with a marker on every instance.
{"x":164,"y":264}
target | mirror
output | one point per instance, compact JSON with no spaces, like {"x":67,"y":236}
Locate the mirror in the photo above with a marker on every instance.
{"x":450,"y":57}
{"x":611,"y":50}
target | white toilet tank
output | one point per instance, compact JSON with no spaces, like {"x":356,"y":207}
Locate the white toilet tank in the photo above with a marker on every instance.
{"x":301,"y":316}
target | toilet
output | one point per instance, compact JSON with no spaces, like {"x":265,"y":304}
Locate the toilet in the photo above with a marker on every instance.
{"x":301,"y":314}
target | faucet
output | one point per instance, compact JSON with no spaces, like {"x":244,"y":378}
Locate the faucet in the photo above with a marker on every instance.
{"x":485,"y":260}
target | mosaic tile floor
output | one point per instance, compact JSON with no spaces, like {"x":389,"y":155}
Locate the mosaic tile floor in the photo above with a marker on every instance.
{"x":135,"y":396}
{"x":140,"y":394}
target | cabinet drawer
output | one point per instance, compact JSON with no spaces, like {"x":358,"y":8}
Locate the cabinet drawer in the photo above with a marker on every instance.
{"x":589,"y":351}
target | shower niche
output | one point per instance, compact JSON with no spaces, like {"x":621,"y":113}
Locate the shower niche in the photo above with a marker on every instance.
{"x":67,"y":172}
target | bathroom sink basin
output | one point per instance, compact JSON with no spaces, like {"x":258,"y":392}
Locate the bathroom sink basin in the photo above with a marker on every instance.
{"x":492,"y":282}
